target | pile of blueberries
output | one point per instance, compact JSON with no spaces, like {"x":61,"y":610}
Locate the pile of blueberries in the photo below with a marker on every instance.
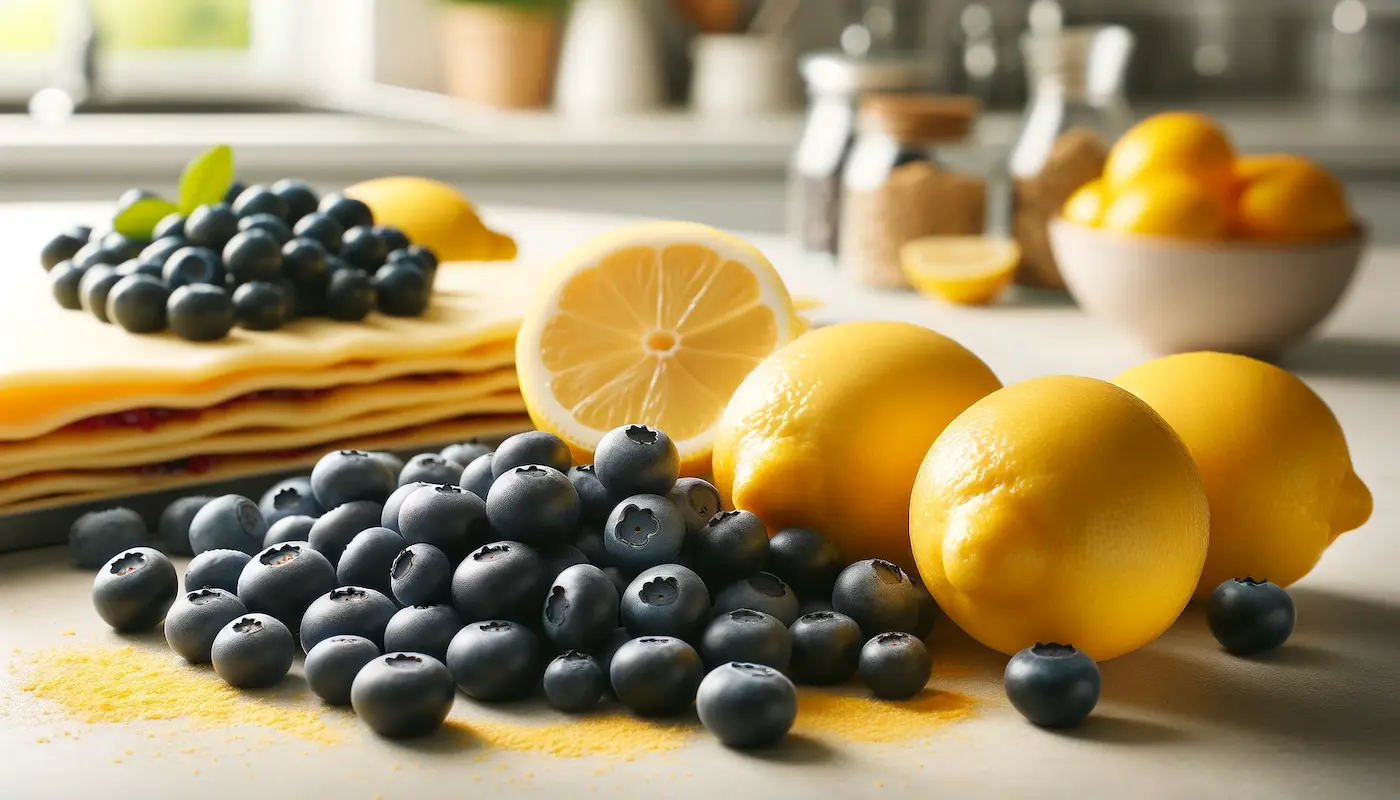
{"x":264,"y":256}
{"x":508,"y":572}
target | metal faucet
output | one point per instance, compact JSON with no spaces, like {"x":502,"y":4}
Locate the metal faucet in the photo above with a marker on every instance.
{"x":76,"y":80}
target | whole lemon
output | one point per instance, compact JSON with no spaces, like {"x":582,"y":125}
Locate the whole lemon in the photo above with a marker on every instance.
{"x":1288,"y":198}
{"x":1087,"y":204}
{"x":828,"y":431}
{"x":435,"y":215}
{"x":1167,"y":205}
{"x":1060,"y":509}
{"x":1272,"y":457}
{"x":1180,"y":143}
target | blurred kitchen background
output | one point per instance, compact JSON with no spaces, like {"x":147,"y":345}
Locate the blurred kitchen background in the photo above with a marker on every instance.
{"x":692,"y":109}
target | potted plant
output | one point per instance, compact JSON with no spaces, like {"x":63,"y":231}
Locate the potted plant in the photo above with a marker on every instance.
{"x":501,"y":53}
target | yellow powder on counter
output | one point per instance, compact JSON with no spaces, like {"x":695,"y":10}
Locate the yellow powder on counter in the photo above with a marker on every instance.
{"x":117,"y":685}
{"x":864,"y":719}
{"x":614,"y":735}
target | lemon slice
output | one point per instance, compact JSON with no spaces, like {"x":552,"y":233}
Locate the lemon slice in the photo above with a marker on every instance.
{"x":968,"y":270}
{"x":653,"y":323}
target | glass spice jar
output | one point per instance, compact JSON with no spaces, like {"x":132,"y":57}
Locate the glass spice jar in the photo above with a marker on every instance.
{"x":900,"y":182}
{"x":1077,"y":110}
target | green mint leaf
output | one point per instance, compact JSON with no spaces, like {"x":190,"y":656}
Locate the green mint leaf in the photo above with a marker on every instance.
{"x":139,"y":219}
{"x":206,"y":179}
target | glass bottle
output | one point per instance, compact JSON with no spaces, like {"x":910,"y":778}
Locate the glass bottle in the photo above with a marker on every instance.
{"x":1077,"y":109}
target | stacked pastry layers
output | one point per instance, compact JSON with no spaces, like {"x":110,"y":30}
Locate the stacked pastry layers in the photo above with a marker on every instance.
{"x":88,"y":411}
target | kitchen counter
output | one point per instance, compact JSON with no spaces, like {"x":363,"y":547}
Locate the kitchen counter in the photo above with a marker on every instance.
{"x":1179,"y":718}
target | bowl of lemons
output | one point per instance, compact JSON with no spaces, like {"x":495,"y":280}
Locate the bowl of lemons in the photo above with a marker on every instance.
{"x":1186,"y":244}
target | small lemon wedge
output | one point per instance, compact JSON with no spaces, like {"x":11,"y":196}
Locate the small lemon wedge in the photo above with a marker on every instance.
{"x":967,"y":270}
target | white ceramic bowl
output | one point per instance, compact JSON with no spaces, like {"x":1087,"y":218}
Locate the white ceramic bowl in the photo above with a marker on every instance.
{"x":1175,"y":295}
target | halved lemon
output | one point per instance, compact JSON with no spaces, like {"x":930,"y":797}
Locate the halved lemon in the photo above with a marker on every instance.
{"x":654,"y":323}
{"x":968,"y":270}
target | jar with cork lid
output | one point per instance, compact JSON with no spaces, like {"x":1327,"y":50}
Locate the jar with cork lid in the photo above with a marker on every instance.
{"x":902,"y":182}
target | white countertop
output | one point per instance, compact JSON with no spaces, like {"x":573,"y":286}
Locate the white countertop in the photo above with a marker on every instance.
{"x":1179,"y":718}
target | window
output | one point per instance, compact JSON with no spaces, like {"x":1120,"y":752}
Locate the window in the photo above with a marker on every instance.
{"x":154,"y":50}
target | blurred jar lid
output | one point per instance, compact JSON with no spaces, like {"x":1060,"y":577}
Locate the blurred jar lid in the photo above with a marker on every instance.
{"x":920,"y":117}
{"x":839,"y":73}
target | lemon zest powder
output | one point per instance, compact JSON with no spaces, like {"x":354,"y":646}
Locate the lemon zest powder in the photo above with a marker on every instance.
{"x":119,"y":685}
{"x":612,"y":735}
{"x":851,"y":718}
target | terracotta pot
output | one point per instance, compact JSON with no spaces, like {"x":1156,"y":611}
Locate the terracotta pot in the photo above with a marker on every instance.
{"x":499,"y":56}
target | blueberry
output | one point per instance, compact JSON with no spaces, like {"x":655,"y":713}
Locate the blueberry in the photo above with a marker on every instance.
{"x":334,"y":529}
{"x":97,"y":536}
{"x":211,"y":226}
{"x":253,"y":652}
{"x":64,"y":281}
{"x":574,"y":683}
{"x":190,"y":265}
{"x":347,"y":211}
{"x":361,"y":249}
{"x":259,"y":199}
{"x":761,"y":592}
{"x":495,"y":660}
{"x":298,"y":195}
{"x":332,"y":665}
{"x":234,"y":190}
{"x":196,"y":618}
{"x":284,"y":579}
{"x":656,"y":676}
{"x":423,"y":254}
{"x":533,"y":504}
{"x":588,"y":540}
{"x":826,"y":648}
{"x":320,"y":228}
{"x":476,"y":476}
{"x":349,"y":296}
{"x":1249,"y":617}
{"x":389,"y":460}
{"x":296,"y":528}
{"x":806,"y":561}
{"x":253,"y":255}
{"x":175,"y":520}
{"x":150,"y":269}
{"x":160,"y":251}
{"x":344,"y":476}
{"x":270,"y":224}
{"x":644,"y":531}
{"x":878,"y":596}
{"x":503,"y":580}
{"x":348,"y":610}
{"x":747,"y":705}
{"x":747,"y":635}
{"x":170,"y":225}
{"x":93,"y":289}
{"x":393,"y":238}
{"x":1053,"y":685}
{"x":928,"y":613}
{"x":580,"y":610}
{"x":809,"y":606}
{"x":895,"y":665}
{"x":421,"y":575}
{"x":697,"y":500}
{"x":595,"y":504}
{"x":121,"y":247}
{"x":60,"y":248}
{"x":216,"y":569}
{"x":430,"y":468}
{"x":531,"y":447}
{"x":230,"y":522}
{"x":423,"y":629}
{"x":261,"y":306}
{"x":403,"y":695}
{"x":401,"y":290}
{"x":133,"y":591}
{"x":668,"y":600}
{"x":447,"y":517}
{"x":605,"y":654}
{"x":137,"y":304}
{"x":636,"y":459}
{"x":292,"y":496}
{"x":560,"y":557}
{"x":465,"y":452}
{"x":731,"y":546}
{"x":92,"y":254}
{"x":416,"y":263}
{"x":304,"y":264}
{"x":368,"y":559}
{"x":200,"y":313}
{"x":620,"y":580}
{"x":389,"y":516}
